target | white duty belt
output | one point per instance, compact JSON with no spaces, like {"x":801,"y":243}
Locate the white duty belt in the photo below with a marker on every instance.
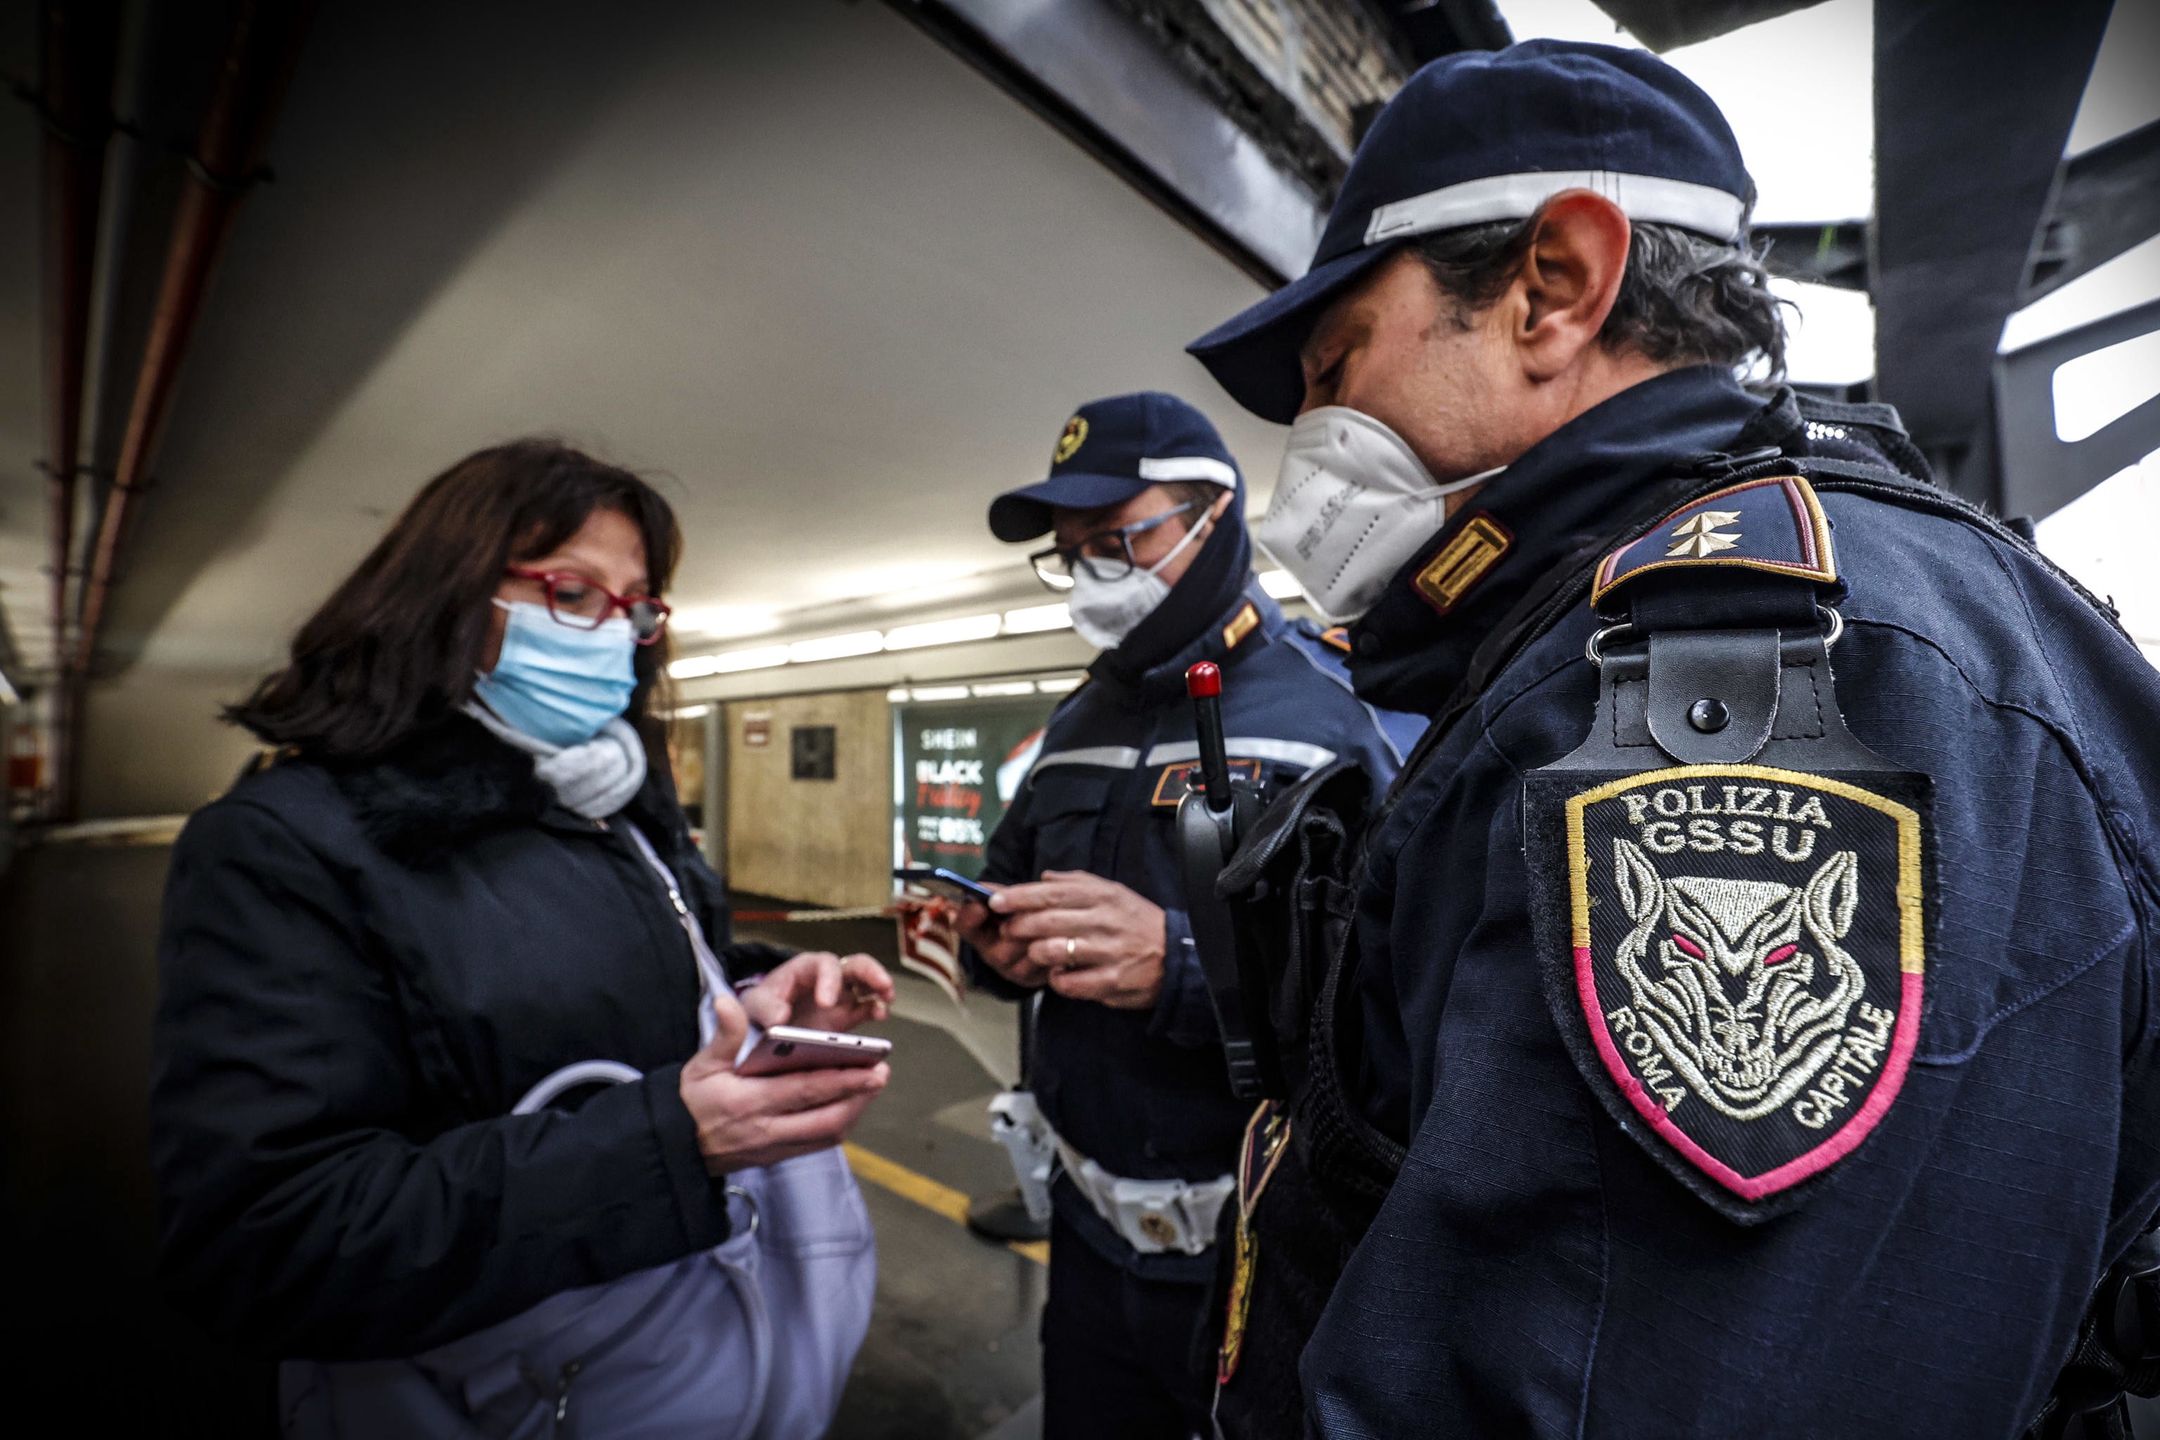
{"x":1155,"y":1217}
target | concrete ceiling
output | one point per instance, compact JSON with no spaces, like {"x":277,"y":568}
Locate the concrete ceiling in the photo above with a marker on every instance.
{"x":796,"y":259}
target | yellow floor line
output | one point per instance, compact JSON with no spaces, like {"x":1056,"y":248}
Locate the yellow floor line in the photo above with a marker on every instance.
{"x":922,"y":1190}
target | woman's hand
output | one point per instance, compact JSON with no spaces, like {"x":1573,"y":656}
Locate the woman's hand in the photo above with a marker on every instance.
{"x":749,"y":1120}
{"x":984,"y":929}
{"x":822,"y":991}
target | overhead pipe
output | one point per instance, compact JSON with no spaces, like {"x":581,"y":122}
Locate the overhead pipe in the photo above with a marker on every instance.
{"x":76,"y":49}
{"x":252,"y":80}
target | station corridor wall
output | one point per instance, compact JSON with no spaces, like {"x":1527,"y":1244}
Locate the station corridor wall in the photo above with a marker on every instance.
{"x":153,"y":744}
{"x":820,"y":842}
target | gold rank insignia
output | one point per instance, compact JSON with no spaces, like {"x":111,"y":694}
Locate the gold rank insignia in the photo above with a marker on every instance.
{"x":1462,"y":562}
{"x":1774,"y":524}
{"x":1241,"y":625}
{"x":1069,"y":443}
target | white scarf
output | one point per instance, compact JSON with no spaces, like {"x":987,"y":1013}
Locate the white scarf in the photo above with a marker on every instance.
{"x":595,"y":779}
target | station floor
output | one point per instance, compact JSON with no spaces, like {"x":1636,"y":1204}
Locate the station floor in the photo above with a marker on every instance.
{"x":952,"y":1349}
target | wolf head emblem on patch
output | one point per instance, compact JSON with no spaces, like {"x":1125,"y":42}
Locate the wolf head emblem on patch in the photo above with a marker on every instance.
{"x":1747,"y":966}
{"x":1741,"y":983}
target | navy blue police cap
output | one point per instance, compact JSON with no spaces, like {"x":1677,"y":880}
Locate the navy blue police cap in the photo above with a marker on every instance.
{"x":1490,"y":135}
{"x":1110,"y":451}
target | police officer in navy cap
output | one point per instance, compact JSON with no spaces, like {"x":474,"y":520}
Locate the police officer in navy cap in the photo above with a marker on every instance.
{"x":1747,"y":1023}
{"x":1143,"y":508}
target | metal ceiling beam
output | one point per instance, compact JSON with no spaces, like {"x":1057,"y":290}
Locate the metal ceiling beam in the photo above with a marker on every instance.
{"x":2041,"y":472}
{"x":1973,"y":105}
{"x":1833,"y":253}
{"x":2109,"y":201}
{"x":1093,"y":73}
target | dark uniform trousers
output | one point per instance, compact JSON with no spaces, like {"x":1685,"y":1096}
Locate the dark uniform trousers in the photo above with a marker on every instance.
{"x":1123,"y":1355}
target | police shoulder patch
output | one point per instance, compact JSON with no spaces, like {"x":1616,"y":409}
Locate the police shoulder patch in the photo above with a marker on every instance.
{"x":1746,"y":966}
{"x":1774,"y":524}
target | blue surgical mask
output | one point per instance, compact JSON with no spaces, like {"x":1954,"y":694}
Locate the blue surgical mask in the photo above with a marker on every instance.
{"x":556,"y":682}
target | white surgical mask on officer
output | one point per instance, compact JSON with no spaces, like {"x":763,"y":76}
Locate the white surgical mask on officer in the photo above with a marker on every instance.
{"x":1353,"y":503}
{"x":1104,"y":612}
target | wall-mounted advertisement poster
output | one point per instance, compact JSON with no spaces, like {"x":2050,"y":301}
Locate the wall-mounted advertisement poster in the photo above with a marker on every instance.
{"x":961,"y":763}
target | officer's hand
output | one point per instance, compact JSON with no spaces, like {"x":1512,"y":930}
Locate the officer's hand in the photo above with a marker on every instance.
{"x":1097,"y":940}
{"x":749,"y":1120}
{"x":821,"y":990}
{"x":999,"y":950}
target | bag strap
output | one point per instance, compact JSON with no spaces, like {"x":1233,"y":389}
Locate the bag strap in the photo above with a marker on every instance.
{"x":710,"y":975}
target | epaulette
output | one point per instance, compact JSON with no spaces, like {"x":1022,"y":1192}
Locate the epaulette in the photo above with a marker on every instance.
{"x":1336,"y":637}
{"x":1774,"y":524}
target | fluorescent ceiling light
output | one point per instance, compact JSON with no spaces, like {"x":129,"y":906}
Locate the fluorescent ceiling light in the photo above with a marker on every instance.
{"x":836,"y":647}
{"x":761,"y":657}
{"x":1280,"y":584}
{"x":723,"y":622}
{"x":941,"y":632}
{"x":1030,"y":619}
{"x":2128,"y":280}
{"x":939,"y":692}
{"x":729,"y":662}
{"x":693,"y":712}
{"x":1002,"y":687}
{"x":897,"y":694}
{"x":1061,"y":685}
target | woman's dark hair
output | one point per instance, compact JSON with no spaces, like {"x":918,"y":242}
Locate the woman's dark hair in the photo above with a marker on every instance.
{"x":1684,"y":299}
{"x":395,"y":647}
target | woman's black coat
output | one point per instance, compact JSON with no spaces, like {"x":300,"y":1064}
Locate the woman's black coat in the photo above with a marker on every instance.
{"x":361,"y":971}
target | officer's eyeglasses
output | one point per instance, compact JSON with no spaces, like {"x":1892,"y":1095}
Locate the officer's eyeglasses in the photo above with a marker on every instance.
{"x":577,"y":602}
{"x":1106,"y":555}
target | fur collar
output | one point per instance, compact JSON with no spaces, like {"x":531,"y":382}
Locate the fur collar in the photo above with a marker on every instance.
{"x":455,"y":781}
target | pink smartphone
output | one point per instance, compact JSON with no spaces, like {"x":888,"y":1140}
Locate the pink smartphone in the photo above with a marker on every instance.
{"x":788,"y":1048}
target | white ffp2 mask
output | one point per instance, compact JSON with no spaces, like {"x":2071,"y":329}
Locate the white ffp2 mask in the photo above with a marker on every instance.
{"x":1104,"y":612}
{"x":1353,"y":503}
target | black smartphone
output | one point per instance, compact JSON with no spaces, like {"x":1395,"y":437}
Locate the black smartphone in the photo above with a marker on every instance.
{"x":948,"y":883}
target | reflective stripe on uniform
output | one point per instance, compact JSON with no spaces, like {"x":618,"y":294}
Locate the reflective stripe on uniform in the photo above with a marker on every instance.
{"x":1111,"y":757}
{"x":1247,"y":747}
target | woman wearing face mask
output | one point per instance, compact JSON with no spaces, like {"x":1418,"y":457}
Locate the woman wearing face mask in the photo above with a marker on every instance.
{"x":445,"y":1113}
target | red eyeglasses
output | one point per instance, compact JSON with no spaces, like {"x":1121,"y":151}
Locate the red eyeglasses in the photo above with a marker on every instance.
{"x":577,"y":602}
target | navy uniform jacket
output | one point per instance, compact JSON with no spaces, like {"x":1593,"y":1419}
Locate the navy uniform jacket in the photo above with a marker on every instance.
{"x":1144,"y":1093}
{"x":1534,"y":1272}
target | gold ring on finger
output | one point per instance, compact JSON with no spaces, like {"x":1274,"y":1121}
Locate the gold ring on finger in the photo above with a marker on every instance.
{"x":1072,"y":949}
